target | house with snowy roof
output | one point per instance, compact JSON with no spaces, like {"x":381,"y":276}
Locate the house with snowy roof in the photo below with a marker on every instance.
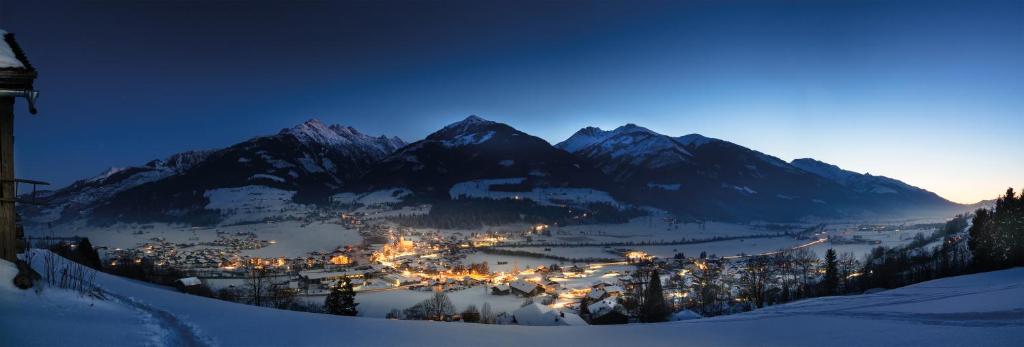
{"x":523,"y":288}
{"x":500,"y":289}
{"x":607,"y":311}
{"x":191,"y":285}
{"x":597,"y":294}
{"x":537,"y":314}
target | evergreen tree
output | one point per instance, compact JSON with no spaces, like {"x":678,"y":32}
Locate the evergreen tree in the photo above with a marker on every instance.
{"x":654,"y":308}
{"x":342,"y":299}
{"x":997,"y":235}
{"x":88,"y":255}
{"x":980,"y":242}
{"x":830,"y":283}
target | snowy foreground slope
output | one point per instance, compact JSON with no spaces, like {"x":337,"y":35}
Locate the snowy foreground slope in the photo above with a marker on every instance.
{"x":984,"y":309}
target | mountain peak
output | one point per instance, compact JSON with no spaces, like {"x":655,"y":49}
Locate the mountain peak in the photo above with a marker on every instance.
{"x":315,"y":131}
{"x":631,"y":127}
{"x":466,"y":127}
{"x":474,"y":118}
{"x":583,"y":138}
{"x":471,"y":122}
{"x":310,"y":126}
{"x":694,"y":139}
{"x":592,"y":135}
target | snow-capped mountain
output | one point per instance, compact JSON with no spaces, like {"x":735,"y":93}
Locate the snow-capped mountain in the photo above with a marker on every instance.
{"x":313,"y":133}
{"x":310,"y":160}
{"x":711,"y":178}
{"x":627,"y":148}
{"x":690,"y":175}
{"x":86,"y":192}
{"x":476,"y":148}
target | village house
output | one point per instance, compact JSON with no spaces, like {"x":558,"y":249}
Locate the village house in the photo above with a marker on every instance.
{"x":607,"y":311}
{"x":191,"y":285}
{"x":526,"y":289}
{"x":537,"y":314}
{"x":500,"y":289}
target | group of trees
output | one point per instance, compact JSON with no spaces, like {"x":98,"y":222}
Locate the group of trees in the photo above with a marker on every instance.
{"x":645,"y":297}
{"x":721,"y":287}
{"x":259,"y":289}
{"x":997,"y":235}
{"x":81,"y":252}
{"x":472,"y":213}
{"x":994,"y":240}
{"x":474,"y":268}
{"x":915,"y":262}
{"x":439,"y":307}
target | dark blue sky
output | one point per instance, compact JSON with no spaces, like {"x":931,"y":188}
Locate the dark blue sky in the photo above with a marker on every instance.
{"x":928,"y":92}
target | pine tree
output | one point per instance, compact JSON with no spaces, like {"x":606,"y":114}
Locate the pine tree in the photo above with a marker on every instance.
{"x":342,"y":299}
{"x":654,"y":308}
{"x":980,"y":242}
{"x":831,"y":281}
{"x":88,"y":255}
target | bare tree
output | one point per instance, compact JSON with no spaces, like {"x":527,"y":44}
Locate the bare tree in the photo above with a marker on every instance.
{"x":755,"y":278}
{"x":281,"y":297}
{"x":787,"y":273}
{"x":437,"y":307}
{"x":487,"y":315}
{"x":707,"y":276}
{"x":256,"y":282}
{"x":847,"y":265}
{"x":807,"y":263}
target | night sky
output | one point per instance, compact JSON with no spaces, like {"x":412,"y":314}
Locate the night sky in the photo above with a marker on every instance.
{"x":931,"y":93}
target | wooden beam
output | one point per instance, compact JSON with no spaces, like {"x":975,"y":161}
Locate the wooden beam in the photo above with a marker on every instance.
{"x":8,"y":237}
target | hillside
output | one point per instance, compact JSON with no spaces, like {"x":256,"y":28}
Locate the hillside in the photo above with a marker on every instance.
{"x":306,"y":162}
{"x":981,"y":309}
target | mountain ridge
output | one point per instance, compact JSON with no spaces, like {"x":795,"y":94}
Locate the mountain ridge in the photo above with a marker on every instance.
{"x":692,"y":175}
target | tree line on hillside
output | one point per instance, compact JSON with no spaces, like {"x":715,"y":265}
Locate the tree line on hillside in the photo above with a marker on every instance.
{"x":477,"y":213}
{"x":997,"y":235}
{"x":990,"y":239}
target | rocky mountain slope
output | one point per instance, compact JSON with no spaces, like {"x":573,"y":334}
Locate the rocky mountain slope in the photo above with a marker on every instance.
{"x":311,"y":159}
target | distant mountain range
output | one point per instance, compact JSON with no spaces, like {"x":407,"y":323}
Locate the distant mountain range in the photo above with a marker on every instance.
{"x":700,"y":176}
{"x":692,"y":176}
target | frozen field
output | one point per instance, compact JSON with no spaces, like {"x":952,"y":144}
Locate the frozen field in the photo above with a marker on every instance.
{"x":510,"y":261}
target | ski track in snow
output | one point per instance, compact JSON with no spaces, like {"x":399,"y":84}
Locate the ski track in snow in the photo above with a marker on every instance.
{"x":169,"y":330}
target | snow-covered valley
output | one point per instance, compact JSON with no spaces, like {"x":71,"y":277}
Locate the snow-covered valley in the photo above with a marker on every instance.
{"x":980,"y":309}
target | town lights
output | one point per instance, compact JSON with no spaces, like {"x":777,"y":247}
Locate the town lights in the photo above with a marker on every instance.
{"x":340,"y":259}
{"x":702,"y":266}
